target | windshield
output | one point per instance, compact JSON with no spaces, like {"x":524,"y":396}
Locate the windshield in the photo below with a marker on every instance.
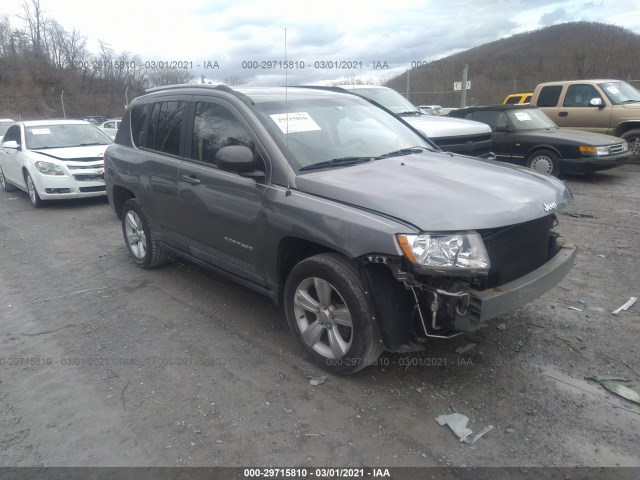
{"x":529,"y":119}
{"x":64,"y":135}
{"x":389,"y":99}
{"x":620,"y":92}
{"x":337,"y":128}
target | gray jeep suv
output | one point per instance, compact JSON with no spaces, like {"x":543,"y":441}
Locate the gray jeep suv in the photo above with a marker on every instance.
{"x":371,"y":237}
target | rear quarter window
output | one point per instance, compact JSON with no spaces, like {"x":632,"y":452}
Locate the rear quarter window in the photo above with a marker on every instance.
{"x":549,"y":96}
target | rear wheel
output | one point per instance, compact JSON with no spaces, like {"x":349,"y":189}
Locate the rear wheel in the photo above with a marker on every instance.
{"x":544,"y":161}
{"x":633,"y":139}
{"x":137,"y":236}
{"x":6,"y":186}
{"x":328,"y":312}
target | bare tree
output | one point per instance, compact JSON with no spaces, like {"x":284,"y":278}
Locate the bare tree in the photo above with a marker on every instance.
{"x":34,"y":19}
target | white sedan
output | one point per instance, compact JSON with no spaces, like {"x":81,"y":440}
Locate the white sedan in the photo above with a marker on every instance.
{"x":110,"y":127}
{"x":54,"y":159}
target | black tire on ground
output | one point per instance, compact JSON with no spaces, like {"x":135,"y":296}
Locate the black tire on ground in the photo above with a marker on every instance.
{"x":327,"y":311}
{"x":633,"y":139}
{"x":544,"y":161}
{"x":6,"y":186}
{"x":142,"y":247}
{"x":33,"y":193}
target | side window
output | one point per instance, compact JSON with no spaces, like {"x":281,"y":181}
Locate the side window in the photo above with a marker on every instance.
{"x":512,"y":100}
{"x":12,"y":134}
{"x":549,"y":96}
{"x":165,"y":127}
{"x":138,"y":117}
{"x":580,"y":95}
{"x":216,"y":127}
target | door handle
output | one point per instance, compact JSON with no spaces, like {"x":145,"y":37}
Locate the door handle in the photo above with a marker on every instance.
{"x":192,"y":180}
{"x":563,"y":114}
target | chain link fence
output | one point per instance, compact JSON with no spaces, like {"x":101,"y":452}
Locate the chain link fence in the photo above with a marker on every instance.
{"x":63,"y":104}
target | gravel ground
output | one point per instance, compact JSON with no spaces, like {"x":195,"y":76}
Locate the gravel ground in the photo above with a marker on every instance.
{"x":105,"y":364}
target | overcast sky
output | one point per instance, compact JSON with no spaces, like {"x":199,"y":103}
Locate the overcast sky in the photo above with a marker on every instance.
{"x":242,"y":34}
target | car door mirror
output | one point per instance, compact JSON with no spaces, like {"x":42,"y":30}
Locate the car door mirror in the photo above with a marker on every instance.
{"x":12,"y":144}
{"x":503,"y":127}
{"x":596,"y":102}
{"x":235,"y":158}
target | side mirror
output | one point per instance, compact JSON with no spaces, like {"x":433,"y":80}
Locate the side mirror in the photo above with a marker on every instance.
{"x":501,"y":128}
{"x":12,"y":144}
{"x":596,"y":102}
{"x":235,"y":158}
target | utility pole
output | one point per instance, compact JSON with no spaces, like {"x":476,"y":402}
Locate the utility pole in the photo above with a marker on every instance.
{"x":463,"y":97}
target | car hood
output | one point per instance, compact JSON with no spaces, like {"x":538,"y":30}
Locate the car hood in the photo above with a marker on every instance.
{"x":441,"y":191}
{"x":438,"y":127}
{"x":578,"y":136}
{"x":90,"y":152}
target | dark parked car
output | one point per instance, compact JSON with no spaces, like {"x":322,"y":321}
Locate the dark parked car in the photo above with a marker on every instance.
{"x":370,"y":237}
{"x":526,"y":136}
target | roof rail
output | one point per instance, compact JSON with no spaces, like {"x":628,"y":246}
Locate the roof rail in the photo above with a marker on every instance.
{"x":223,"y":88}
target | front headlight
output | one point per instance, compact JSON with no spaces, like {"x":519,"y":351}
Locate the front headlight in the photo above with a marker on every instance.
{"x":453,"y":251}
{"x":47,"y":168}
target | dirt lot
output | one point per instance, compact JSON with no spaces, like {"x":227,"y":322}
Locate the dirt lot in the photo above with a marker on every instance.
{"x":105,"y":364}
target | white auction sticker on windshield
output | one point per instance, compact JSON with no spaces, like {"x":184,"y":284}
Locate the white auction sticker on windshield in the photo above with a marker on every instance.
{"x":523,"y":116}
{"x":613,"y":90}
{"x":40,"y":131}
{"x":297,"y":122}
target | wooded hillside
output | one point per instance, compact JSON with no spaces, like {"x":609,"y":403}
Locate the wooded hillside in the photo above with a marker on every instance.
{"x":562,"y":52}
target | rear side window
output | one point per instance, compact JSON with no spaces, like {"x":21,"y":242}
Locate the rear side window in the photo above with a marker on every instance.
{"x":512,"y":100}
{"x":163,"y":129}
{"x":138,"y":118}
{"x":549,"y":96}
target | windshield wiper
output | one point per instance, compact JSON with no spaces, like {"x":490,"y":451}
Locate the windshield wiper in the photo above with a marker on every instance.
{"x":337,"y":162}
{"x":402,"y":151}
{"x":629,"y":101}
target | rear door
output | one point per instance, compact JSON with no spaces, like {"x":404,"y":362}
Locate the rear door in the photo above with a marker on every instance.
{"x":220,"y":212}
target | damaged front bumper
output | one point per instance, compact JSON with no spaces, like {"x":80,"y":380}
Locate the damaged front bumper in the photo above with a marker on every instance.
{"x":493,"y":302}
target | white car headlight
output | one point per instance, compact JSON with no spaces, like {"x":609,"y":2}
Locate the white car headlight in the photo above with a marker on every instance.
{"x":452,"y":251}
{"x":47,"y":168}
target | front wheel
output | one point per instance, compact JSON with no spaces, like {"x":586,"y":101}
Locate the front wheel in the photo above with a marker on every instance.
{"x":327,"y":310}
{"x":33,"y":193}
{"x":633,"y":139}
{"x":137,"y":236}
{"x":544,"y":161}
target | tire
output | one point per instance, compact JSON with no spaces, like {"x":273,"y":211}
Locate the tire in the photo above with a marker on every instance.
{"x":6,"y":186}
{"x":544,"y":161}
{"x":341,"y":344}
{"x":33,"y":193}
{"x":142,"y":247}
{"x":633,"y":139}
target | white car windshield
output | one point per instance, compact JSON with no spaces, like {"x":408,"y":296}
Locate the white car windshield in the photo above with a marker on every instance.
{"x":64,"y":135}
{"x":339,"y":128}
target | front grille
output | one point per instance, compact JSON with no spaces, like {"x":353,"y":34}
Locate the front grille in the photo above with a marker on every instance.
{"x":93,"y":189}
{"x":516,"y":250}
{"x":89,"y":177}
{"x":473,"y":145}
{"x":618,"y":148}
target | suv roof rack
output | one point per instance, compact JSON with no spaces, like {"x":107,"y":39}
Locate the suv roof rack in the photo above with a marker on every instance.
{"x":222,"y":88}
